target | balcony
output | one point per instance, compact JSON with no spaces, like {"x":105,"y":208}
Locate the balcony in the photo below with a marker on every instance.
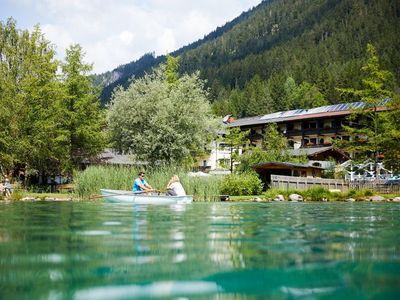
{"x":312,"y":131}
{"x":312,"y":145}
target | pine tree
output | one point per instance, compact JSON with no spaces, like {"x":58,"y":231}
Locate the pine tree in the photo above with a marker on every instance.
{"x":367,"y":132}
{"x":257,"y":97}
{"x":84,"y":119}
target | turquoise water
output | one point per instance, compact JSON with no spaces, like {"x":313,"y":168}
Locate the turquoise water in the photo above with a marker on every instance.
{"x":92,"y":250}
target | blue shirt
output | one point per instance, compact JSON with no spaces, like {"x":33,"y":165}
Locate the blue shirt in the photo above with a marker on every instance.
{"x":136,"y":187}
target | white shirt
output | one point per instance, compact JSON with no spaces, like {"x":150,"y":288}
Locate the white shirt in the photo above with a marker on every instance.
{"x":177,"y":188}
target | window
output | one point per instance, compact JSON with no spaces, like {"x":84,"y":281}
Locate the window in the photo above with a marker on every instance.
{"x":224,"y":146}
{"x":224,"y":163}
{"x":310,"y":125}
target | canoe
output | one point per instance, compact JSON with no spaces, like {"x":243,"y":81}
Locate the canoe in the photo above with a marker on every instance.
{"x":121,"y":196}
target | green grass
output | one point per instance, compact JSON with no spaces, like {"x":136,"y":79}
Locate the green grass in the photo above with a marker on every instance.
{"x":90,"y":181}
{"x":48,"y":195}
{"x":18,"y":195}
{"x":318,"y":193}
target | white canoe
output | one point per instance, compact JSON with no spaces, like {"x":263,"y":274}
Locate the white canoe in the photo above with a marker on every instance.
{"x":143,"y":198}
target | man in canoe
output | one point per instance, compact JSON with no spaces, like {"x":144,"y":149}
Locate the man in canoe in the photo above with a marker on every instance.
{"x":141,"y":185}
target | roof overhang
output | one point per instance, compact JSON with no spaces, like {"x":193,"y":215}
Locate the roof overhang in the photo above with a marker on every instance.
{"x":274,"y":165}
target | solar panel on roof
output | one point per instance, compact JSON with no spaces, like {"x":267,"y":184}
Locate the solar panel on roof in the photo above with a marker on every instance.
{"x":325,"y":108}
{"x":281,"y":115}
{"x":341,"y":107}
{"x":269,"y":116}
{"x":318,"y":109}
{"x":359,"y":105}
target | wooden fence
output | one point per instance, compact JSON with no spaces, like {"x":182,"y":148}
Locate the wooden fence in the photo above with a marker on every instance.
{"x":304,"y":183}
{"x":378,"y":186}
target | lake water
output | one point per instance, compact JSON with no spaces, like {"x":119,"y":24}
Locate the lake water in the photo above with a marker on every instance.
{"x":89,"y":250}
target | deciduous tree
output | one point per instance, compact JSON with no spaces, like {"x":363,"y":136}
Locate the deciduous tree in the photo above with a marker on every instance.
{"x":29,"y":97}
{"x":157,"y":122}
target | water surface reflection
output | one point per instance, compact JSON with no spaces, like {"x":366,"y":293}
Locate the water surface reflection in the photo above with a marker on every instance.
{"x":105,"y":251}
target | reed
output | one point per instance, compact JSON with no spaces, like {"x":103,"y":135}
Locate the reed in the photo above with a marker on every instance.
{"x":94,"y":178}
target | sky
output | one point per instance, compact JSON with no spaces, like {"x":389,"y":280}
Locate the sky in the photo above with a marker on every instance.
{"x":116,"y":32}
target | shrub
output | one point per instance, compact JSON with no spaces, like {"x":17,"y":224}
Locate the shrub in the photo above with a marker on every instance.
{"x":316,"y":194}
{"x":360,"y":194}
{"x":16,"y":195}
{"x":242,"y":184}
{"x":351,"y":193}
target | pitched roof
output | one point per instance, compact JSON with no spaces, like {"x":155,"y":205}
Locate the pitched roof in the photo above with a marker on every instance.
{"x":308,"y":151}
{"x":289,"y":165}
{"x":315,"y":152}
{"x":110,"y":156}
{"x":341,"y":109}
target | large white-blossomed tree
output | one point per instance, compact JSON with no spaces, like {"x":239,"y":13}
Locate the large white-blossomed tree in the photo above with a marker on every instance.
{"x":162,"y":117}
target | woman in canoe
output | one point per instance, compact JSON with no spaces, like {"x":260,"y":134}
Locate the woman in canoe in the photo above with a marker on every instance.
{"x":175,"y":188}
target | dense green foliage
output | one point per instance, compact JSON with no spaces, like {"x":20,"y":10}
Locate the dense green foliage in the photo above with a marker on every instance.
{"x":29,"y":94}
{"x":286,"y":54}
{"x":38,"y":108}
{"x":374,"y":132}
{"x":242,"y":184}
{"x":161,"y":118}
{"x":82,"y":114}
{"x":391,"y":139}
{"x":236,"y":139}
{"x":274,"y":148}
{"x":90,"y":181}
{"x":320,"y":193}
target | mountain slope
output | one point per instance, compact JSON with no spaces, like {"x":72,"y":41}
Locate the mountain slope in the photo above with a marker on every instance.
{"x":318,"y":41}
{"x":123,"y":74}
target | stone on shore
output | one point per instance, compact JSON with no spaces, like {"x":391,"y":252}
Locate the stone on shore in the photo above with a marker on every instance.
{"x":258,"y":199}
{"x":28,"y":199}
{"x":377,"y":198}
{"x":279,"y":198}
{"x":295,"y":197}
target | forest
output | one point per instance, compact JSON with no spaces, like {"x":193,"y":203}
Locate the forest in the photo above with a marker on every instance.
{"x":284,"y":54}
